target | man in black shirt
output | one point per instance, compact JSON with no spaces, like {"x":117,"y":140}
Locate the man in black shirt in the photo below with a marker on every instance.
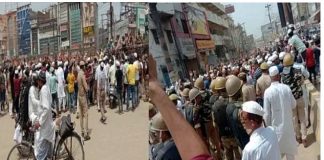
{"x":119,"y":86}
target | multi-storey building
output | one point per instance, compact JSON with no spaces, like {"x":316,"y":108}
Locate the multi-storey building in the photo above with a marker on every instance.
{"x":23,"y":29}
{"x":75,"y":26}
{"x":89,"y":25}
{"x":12,"y":42}
{"x":3,"y":35}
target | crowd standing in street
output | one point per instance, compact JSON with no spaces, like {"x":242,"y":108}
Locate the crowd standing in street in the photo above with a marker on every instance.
{"x":37,"y":91}
{"x":251,"y":108}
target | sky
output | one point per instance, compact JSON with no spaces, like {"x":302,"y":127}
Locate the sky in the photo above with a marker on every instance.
{"x":253,"y":15}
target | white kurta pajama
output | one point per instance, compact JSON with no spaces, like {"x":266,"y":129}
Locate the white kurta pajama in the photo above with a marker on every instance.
{"x":60,"y":87}
{"x":263,"y":145}
{"x":278,"y":106}
{"x":46,"y":130}
{"x":34,"y":111}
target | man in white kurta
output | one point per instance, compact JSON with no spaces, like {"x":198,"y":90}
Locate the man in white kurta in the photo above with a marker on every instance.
{"x":34,"y":109}
{"x":60,"y":86}
{"x":44,"y":125}
{"x":263,"y":144}
{"x":279,"y":103}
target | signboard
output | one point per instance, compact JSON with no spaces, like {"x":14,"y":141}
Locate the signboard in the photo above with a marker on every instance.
{"x":229,"y":9}
{"x":205,"y":44}
{"x":65,"y":43}
{"x":88,"y":30}
{"x":197,"y":21}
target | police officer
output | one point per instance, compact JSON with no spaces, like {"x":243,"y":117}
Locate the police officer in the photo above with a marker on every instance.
{"x":262,"y":83}
{"x":233,"y":88}
{"x":203,"y":118}
{"x":220,"y":118}
{"x":293,"y":75}
{"x":82,"y":98}
{"x":166,"y":149}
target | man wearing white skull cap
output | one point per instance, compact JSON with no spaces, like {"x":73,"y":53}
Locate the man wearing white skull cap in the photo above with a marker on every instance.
{"x":279,"y":103}
{"x":263,"y":142}
{"x":281,"y":55}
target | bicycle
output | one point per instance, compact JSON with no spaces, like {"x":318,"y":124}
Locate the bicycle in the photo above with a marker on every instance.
{"x":62,"y":145}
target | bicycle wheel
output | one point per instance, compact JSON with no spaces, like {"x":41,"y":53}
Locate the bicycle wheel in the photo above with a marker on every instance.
{"x":70,"y":148}
{"x":21,"y":151}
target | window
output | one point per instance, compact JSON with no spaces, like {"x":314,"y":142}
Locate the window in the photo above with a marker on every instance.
{"x":184,"y":26}
{"x":168,"y":32}
{"x":155,"y":35}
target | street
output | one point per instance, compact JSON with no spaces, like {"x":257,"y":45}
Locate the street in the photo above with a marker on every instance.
{"x":123,"y":137}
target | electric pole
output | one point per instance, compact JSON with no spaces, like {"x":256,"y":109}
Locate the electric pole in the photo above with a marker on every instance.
{"x":111,"y":20}
{"x":268,"y":7}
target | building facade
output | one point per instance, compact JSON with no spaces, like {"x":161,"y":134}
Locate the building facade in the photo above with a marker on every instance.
{"x":76,"y":28}
{"x":64,"y":26}
{"x":23,"y":29}
{"x":89,"y":24}
{"x":3,"y":35}
{"x":12,"y":42}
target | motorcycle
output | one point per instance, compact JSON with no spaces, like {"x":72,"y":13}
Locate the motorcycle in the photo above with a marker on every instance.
{"x":113,"y":100}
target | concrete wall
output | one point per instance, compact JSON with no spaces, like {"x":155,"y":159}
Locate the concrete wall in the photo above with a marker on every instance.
{"x":314,"y":103}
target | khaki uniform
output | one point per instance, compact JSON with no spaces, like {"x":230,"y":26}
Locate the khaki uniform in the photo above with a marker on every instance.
{"x":227,"y":139}
{"x":299,"y":115}
{"x":248,"y":93}
{"x":82,"y":97}
{"x":231,"y":146}
{"x":102,"y":97}
{"x":262,"y":84}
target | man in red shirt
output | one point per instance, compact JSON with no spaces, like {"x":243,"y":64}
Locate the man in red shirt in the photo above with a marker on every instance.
{"x":310,"y":61}
{"x":16,"y":82}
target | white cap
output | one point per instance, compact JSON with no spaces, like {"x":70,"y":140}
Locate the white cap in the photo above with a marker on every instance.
{"x":59,"y":63}
{"x":260,"y":60}
{"x":88,"y":59}
{"x":105,"y":58}
{"x":266,"y":57}
{"x":100,"y":60}
{"x":253,"y":107}
{"x":273,"y":57}
{"x":117,"y":63}
{"x":16,"y":72}
{"x":273,"y":71}
{"x":51,"y":69}
{"x":258,"y":57}
{"x":39,"y":65}
{"x":269,"y":62}
{"x":282,"y":55}
{"x":53,"y":63}
{"x":135,"y":55}
{"x":275,"y":52}
{"x":66,"y":63}
{"x":102,"y":64}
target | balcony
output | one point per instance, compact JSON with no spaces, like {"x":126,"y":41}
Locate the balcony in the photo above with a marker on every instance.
{"x":217,"y":8}
{"x":214,"y":18}
{"x":165,"y":9}
{"x":218,"y":39}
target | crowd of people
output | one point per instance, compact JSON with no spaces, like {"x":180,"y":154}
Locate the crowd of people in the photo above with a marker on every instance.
{"x":250,"y":108}
{"x":41,"y":89}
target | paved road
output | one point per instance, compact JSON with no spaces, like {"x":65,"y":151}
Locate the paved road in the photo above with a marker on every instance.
{"x":123,"y":137}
